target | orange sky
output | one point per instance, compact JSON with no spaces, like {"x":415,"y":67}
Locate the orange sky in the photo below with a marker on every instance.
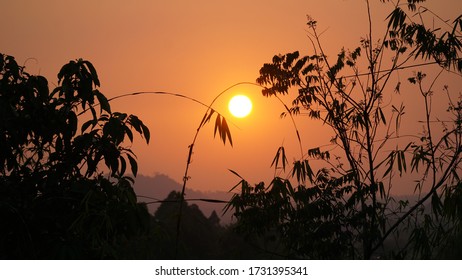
{"x":195,"y":48}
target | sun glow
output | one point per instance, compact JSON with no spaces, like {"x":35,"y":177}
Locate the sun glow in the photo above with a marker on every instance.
{"x":240,"y":106}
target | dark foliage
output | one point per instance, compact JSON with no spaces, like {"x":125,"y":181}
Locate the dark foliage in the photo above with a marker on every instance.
{"x":55,"y":202}
{"x":344,"y":209}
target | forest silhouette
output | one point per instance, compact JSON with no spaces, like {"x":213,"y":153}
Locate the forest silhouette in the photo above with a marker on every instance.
{"x":68,"y":170}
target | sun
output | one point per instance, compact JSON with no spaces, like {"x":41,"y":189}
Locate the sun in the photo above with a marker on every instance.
{"x":240,"y":106}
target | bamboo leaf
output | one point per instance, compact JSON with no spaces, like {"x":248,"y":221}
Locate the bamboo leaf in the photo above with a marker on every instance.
{"x":235,"y":173}
{"x":206,"y":117}
{"x":217,"y":125}
{"x":226,"y":132}
{"x":221,"y":126}
{"x":390,"y":163}
{"x":280,"y":155}
{"x":403,"y":159}
{"x":382,"y":116}
{"x":308,"y":170}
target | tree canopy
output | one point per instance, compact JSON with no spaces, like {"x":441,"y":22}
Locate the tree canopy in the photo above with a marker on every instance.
{"x":64,"y":187}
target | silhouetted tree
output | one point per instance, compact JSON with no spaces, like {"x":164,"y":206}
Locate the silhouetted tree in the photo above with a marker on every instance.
{"x":344,"y":209}
{"x":55,"y":201}
{"x":200,"y":235}
{"x":201,"y":238}
{"x":214,"y":219}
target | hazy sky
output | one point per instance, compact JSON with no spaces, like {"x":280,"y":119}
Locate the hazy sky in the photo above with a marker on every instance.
{"x":196,"y":48}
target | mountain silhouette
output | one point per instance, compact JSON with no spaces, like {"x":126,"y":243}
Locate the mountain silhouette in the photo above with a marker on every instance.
{"x":153,"y":190}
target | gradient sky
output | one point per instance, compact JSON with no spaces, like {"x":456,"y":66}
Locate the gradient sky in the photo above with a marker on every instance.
{"x":196,"y":48}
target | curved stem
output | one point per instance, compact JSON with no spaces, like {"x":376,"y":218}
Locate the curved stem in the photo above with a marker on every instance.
{"x":146,"y":93}
{"x":295,"y":126}
{"x":191,"y":147}
{"x":188,"y":162}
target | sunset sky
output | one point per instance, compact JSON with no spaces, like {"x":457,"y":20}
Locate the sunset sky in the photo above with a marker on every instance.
{"x":194,"y":48}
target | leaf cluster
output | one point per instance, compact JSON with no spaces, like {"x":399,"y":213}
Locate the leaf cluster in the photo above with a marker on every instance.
{"x":315,"y":213}
{"x":443,"y":47}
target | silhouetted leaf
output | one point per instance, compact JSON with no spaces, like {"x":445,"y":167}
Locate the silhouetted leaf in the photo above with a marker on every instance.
{"x":93,"y":73}
{"x":382,"y":116}
{"x":72,"y":122}
{"x":129,"y":133}
{"x":396,"y":18}
{"x":235,"y":173}
{"x":146,"y":132}
{"x":207,"y":117}
{"x":226,"y":133}
{"x":133,"y":164}
{"x":280,"y":156}
{"x":123,"y":166}
{"x":390,"y":162}
{"x":217,"y":126}
{"x":86,"y":124}
{"x":222,"y":128}
{"x":114,"y":129}
{"x":302,"y":170}
{"x":104,"y":103}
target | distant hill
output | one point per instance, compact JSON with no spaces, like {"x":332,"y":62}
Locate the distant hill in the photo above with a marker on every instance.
{"x":153,"y":190}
